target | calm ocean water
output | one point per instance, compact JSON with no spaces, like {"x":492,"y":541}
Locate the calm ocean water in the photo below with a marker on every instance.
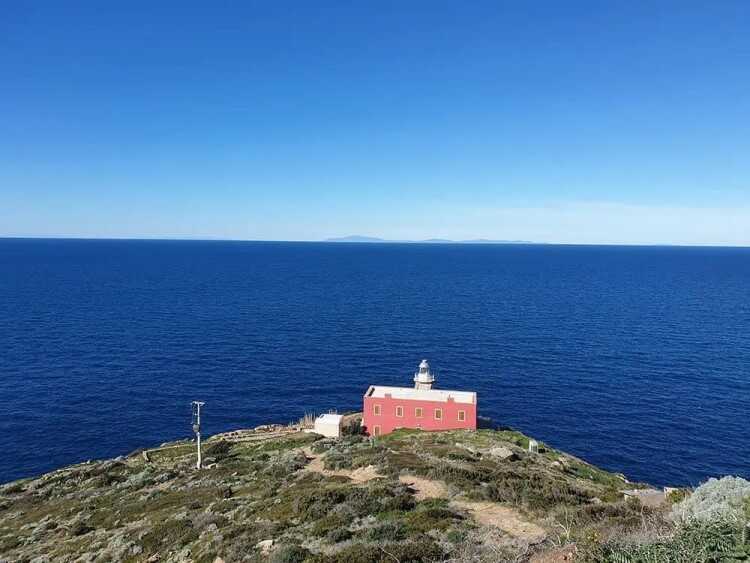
{"x":636,"y":359}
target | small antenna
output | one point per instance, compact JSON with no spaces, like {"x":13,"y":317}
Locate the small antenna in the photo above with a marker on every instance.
{"x":197,"y":428}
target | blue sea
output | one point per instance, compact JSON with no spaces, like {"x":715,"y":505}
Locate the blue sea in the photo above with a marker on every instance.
{"x":636,"y":359}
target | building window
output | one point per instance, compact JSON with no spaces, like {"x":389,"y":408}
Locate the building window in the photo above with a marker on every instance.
{"x":418,"y":412}
{"x":376,"y":410}
{"x":400,"y":411}
{"x":376,"y":431}
{"x":461,"y":416}
{"x":438,"y":414}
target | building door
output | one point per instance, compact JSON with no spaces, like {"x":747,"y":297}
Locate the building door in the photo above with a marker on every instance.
{"x":376,"y":431}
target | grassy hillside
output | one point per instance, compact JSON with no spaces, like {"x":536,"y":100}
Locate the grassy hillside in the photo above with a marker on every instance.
{"x":409,"y":496}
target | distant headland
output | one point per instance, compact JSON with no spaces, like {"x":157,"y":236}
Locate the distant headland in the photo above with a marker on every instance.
{"x":364,"y":239}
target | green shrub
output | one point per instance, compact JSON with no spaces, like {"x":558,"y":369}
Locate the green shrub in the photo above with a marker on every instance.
{"x":337,"y":535}
{"x":355,"y":553}
{"x":427,"y":518}
{"x":392,"y":531}
{"x":404,"y":552}
{"x":376,"y":498}
{"x":239,"y":541}
{"x":9,"y":543}
{"x":456,"y":536}
{"x":461,"y":455}
{"x":168,"y":533}
{"x":460,"y":475}
{"x":624,"y":510}
{"x":329,"y":523}
{"x":219,"y":450}
{"x":108,"y":479}
{"x":534,"y":490}
{"x":80,"y":528}
{"x":205,"y":519}
{"x":287,"y":464}
{"x":289,"y":554}
{"x":353,"y":428}
{"x":13,"y":488}
{"x":716,"y":499}
{"x":415,"y":551}
{"x":713,"y":542}
{"x":337,"y":460}
{"x":317,"y":503}
{"x":677,"y":495}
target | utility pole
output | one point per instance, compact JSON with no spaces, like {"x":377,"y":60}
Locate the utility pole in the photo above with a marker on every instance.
{"x":197,"y":428}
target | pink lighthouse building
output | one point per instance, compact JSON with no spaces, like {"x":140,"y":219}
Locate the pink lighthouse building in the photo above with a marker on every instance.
{"x":389,"y":408}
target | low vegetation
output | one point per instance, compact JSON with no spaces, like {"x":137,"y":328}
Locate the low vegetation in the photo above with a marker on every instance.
{"x":407,"y":497}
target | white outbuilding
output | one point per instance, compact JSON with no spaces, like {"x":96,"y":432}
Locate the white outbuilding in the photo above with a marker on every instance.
{"x":329,"y":425}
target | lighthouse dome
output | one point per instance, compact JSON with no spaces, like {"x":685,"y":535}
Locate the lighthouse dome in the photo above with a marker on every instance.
{"x":423,"y":379}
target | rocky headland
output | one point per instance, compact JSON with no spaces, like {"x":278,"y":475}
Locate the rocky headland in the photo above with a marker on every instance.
{"x":289,"y":496}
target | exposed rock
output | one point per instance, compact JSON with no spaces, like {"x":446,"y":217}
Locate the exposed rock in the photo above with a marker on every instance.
{"x":264,"y":546}
{"x":468,"y":448}
{"x":501,"y":452}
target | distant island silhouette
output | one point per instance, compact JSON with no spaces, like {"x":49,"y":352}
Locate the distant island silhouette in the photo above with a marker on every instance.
{"x":364,"y":239}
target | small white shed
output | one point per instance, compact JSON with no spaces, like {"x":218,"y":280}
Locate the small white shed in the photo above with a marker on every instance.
{"x":329,"y":425}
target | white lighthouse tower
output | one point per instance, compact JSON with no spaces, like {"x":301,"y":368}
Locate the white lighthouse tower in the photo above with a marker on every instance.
{"x":423,"y":379}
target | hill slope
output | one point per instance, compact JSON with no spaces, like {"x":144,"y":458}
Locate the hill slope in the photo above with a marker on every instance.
{"x":284,"y":497}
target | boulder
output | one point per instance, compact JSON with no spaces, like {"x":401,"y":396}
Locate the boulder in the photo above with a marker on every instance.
{"x":264,"y":546}
{"x":503,"y":453}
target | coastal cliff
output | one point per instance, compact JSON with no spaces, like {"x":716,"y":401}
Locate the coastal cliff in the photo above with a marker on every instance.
{"x":294,"y":496}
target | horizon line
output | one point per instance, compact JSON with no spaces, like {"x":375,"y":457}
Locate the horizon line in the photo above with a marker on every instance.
{"x":428,"y":242}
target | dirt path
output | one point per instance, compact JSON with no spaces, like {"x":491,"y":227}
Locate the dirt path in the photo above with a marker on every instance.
{"x":507,"y":519}
{"x":425,"y":488}
{"x":359,"y":475}
{"x":652,"y":498}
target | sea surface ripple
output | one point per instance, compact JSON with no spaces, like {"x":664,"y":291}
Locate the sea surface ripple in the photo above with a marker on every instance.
{"x":636,"y":359}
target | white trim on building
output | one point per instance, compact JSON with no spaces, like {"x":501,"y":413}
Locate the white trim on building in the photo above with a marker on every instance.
{"x":408,"y":393}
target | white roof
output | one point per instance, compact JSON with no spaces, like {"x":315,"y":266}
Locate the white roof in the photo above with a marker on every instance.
{"x":330,"y":418}
{"x":409,"y":393}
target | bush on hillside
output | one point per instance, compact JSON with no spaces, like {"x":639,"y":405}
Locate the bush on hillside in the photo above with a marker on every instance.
{"x":353,"y":428}
{"x":289,"y":554}
{"x":338,"y":535}
{"x":716,"y":499}
{"x":416,"y":551}
{"x":218,"y":450}
{"x":387,"y":531}
{"x":712,"y":526}
{"x":695,"y":541}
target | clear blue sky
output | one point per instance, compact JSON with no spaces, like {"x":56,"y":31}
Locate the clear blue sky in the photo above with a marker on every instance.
{"x":612,"y":122}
